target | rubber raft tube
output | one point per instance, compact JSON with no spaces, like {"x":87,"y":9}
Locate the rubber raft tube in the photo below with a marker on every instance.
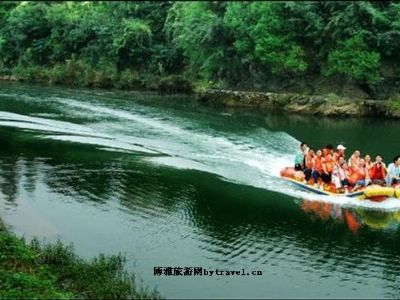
{"x":374,"y":192}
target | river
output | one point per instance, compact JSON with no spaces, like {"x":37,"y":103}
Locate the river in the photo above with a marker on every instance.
{"x":169,"y":182}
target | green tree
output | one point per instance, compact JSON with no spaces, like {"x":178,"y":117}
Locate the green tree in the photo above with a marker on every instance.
{"x":132,"y":42}
{"x":234,"y":44}
{"x":198,"y":29}
{"x":24,"y":34}
{"x":260,"y":34}
{"x":353,"y":59}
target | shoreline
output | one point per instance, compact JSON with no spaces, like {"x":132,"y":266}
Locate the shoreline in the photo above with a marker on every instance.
{"x":53,"y":271}
{"x":329,"y":105}
{"x":326,"y":105}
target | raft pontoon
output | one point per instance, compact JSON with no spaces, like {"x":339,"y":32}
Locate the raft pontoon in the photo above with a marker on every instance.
{"x":373,"y":192}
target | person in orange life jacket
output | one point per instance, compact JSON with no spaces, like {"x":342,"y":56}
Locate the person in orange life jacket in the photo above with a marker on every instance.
{"x":378,"y":171}
{"x":328,"y":149}
{"x":300,"y":159}
{"x":309,"y":164}
{"x":359,"y":176}
{"x":354,"y":159}
{"x":327,"y":165}
{"x":340,"y":175}
{"x":339,"y":152}
{"x":317,"y":166}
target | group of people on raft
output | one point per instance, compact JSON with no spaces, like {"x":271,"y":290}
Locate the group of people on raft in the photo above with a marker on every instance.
{"x":329,"y":166}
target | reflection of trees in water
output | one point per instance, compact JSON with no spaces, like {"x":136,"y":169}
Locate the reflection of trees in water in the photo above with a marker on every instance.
{"x":16,"y":163}
{"x":10,"y":165}
{"x":80,"y":171}
{"x":154,"y":189}
{"x":82,"y":182}
{"x":10,"y":173}
{"x":31,"y":173}
{"x":13,"y":169}
{"x":101,"y":179}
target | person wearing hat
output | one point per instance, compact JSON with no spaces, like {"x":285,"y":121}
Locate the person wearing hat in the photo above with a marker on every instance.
{"x":339,"y":152}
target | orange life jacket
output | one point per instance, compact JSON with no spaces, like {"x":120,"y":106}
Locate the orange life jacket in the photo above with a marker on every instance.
{"x":329,"y":163}
{"x":377,"y":172}
{"x":358,"y":174}
{"x":309,"y":161}
{"x":325,"y":152}
{"x":353,"y":162}
{"x":318,"y":164}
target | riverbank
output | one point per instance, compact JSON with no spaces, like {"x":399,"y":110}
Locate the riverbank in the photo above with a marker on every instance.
{"x":79,"y":73}
{"x":330,"y":105}
{"x":54,"y":271}
{"x":323,"y":105}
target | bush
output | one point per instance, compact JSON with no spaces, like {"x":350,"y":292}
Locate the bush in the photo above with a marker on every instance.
{"x":150,"y":81}
{"x":78,"y":72}
{"x":128,"y":80}
{"x":20,"y":274}
{"x":104,"y":75}
{"x":103,"y":277}
{"x":73,"y":72}
{"x":394,"y":103}
{"x":81,"y":73}
{"x":31,"y":73}
{"x":175,"y":83}
{"x":56,"y":272}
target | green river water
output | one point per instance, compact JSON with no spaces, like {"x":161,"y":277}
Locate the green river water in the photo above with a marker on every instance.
{"x":172,"y":183}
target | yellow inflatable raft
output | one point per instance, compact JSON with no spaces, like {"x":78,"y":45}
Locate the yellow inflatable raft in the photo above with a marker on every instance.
{"x":397,"y":192}
{"x":376,"y":191}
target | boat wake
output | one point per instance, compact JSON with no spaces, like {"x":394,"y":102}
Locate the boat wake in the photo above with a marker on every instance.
{"x":254,"y":157}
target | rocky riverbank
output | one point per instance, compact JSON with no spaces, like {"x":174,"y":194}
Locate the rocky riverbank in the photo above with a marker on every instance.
{"x":330,"y":105}
{"x":8,"y":78}
{"x":323,"y":105}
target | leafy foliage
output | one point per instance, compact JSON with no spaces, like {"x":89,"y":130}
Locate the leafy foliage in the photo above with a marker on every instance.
{"x":263,"y":36}
{"x":219,"y":43}
{"x":56,"y":272}
{"x":133,"y":41}
{"x":353,"y":59}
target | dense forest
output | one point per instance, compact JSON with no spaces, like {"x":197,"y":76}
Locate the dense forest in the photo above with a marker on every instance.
{"x":308,"y":47}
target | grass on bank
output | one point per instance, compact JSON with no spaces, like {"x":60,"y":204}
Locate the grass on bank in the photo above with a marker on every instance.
{"x":54,"y":271}
{"x":78,"y":72}
{"x":394,"y":104}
